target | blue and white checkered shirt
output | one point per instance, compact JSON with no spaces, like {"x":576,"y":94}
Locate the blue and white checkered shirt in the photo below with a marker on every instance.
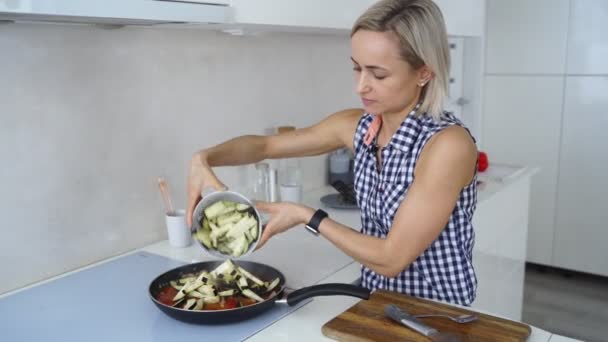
{"x":445,"y":270}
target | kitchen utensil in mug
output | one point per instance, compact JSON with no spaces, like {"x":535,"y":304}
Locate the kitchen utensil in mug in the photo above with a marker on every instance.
{"x":164,"y":191}
{"x":177,"y":229}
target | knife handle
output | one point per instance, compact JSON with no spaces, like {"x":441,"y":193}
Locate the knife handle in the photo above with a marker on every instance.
{"x":409,"y":321}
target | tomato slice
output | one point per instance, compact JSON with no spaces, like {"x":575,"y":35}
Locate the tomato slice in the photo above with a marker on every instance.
{"x":166,"y":295}
{"x":230,"y":303}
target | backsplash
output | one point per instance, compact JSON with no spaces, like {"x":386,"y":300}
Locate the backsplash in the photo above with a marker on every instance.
{"x":90,"y":117}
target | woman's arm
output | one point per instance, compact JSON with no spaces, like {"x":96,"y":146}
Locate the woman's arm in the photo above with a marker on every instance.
{"x":334,"y":132}
{"x":446,"y":165}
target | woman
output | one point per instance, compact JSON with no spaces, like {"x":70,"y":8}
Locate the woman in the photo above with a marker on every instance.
{"x":415,"y":165}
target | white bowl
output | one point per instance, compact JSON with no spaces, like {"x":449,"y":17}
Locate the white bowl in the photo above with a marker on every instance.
{"x":210,"y":199}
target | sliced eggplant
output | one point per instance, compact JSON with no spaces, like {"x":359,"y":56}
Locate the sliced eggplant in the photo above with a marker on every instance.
{"x":193,"y":286}
{"x":231,"y":217}
{"x":189,"y":303}
{"x":182,"y":291}
{"x":227,"y":293}
{"x":211,"y":300}
{"x":250,"y":276}
{"x":224,"y":268}
{"x":238,"y":246}
{"x":242,"y":283}
{"x":199,"y":305}
{"x":214,"y":210}
{"x":196,"y":294}
{"x":250,"y":294}
{"x":186,"y":279}
{"x":204,"y":237}
{"x":207,"y":290}
{"x":273,"y":284}
{"x":242,"y":207}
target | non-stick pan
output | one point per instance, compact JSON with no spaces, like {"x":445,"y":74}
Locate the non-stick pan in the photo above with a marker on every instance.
{"x":262,"y":271}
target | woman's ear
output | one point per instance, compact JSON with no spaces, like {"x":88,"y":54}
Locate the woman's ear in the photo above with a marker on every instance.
{"x":424,"y":75}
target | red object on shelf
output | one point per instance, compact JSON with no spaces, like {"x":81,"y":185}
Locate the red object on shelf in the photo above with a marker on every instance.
{"x":482,"y":162}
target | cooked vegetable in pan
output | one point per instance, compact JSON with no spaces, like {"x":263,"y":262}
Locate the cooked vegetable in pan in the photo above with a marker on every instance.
{"x":226,"y":287}
{"x":228,"y":227}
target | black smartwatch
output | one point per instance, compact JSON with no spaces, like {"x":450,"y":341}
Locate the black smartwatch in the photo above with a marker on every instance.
{"x":315,"y":221}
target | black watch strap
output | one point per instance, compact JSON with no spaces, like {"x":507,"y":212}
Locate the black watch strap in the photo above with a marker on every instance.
{"x":315,"y":221}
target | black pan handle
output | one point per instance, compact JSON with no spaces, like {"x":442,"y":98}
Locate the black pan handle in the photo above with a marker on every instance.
{"x":331,"y":289}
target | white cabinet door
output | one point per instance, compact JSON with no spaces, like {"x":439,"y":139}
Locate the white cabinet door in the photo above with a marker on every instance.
{"x":582,"y":209}
{"x":331,"y":14}
{"x":587,"y":39}
{"x":527,"y":36}
{"x":463,"y":17}
{"x":521,"y":125}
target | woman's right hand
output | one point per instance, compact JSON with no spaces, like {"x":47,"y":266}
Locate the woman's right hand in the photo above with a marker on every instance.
{"x":201,"y":176}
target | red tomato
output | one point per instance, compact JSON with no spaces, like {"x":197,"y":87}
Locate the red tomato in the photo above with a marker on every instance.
{"x":230,"y":303}
{"x":166,"y":295}
{"x":482,"y":162}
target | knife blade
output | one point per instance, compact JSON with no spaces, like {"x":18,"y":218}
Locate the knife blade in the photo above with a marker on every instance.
{"x":411,"y":322}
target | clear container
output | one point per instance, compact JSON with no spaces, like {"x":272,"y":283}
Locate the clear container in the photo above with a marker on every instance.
{"x":290,"y":180}
{"x":261,"y":186}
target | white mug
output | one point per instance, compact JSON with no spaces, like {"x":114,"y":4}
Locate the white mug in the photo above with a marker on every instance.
{"x":291,"y":193}
{"x":177,"y":230}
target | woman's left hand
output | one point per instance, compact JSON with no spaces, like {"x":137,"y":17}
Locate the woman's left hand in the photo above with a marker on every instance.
{"x":283,"y":215}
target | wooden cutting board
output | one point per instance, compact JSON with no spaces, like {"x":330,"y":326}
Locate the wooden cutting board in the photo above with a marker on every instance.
{"x":365,"y":321}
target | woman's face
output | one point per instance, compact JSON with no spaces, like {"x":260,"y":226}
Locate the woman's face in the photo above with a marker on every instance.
{"x":386,"y":83}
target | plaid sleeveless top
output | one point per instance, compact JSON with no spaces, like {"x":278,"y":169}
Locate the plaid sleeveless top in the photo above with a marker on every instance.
{"x":445,"y":270}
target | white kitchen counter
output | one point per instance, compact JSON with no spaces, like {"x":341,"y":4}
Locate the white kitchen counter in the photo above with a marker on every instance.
{"x":306,"y":260}
{"x":305,"y":323}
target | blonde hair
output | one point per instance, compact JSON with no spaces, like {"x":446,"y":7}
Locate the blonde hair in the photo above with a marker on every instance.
{"x":420,"y":27}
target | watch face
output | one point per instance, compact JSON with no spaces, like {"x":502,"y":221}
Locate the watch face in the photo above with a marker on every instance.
{"x":311,"y":229}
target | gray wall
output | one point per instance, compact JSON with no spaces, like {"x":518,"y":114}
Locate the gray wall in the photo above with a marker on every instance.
{"x":90,"y":117}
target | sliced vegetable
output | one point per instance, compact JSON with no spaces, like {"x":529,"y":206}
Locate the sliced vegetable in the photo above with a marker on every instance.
{"x":272,"y":285}
{"x":228,"y":227}
{"x":199,"y":305}
{"x":227,"y":286}
{"x":227,"y":293}
{"x":211,"y":300}
{"x":242,"y":207}
{"x":214,"y":210}
{"x":189,"y":303}
{"x":252,"y":295}
{"x":250,"y":276}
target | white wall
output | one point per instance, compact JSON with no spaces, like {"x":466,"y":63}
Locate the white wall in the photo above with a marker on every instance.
{"x":91,"y":117}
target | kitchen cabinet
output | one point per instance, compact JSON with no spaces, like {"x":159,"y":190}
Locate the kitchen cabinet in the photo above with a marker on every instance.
{"x":526,"y":37}
{"x":117,"y":12}
{"x":587,"y":39}
{"x":521,"y":125}
{"x":463,"y":18}
{"x":580,"y":230}
{"x":545,"y":79}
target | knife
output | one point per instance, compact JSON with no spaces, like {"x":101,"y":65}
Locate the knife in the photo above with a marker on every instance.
{"x":411,"y":322}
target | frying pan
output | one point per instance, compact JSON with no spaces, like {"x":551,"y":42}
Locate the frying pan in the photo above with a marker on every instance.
{"x":261,"y":271}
